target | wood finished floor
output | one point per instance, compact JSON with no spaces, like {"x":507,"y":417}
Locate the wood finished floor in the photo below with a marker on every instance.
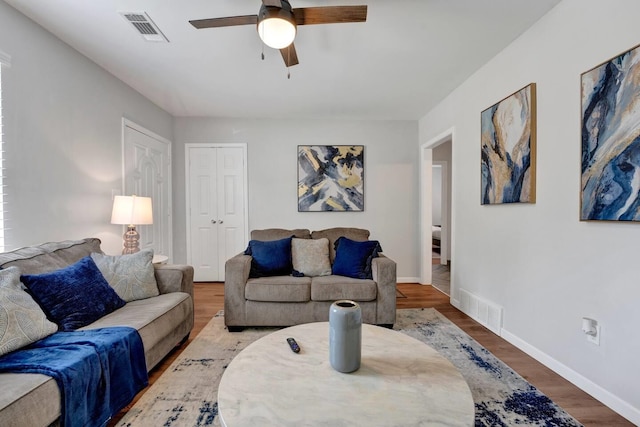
{"x":209,"y":299}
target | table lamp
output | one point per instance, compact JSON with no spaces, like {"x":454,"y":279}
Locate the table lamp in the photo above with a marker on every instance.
{"x":129,"y":211}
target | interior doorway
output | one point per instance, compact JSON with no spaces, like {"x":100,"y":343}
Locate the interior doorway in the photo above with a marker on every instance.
{"x":441,"y":220}
{"x":440,"y":211}
{"x":436,"y":211}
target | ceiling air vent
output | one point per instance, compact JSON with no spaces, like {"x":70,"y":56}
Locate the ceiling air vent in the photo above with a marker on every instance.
{"x":145,"y":26}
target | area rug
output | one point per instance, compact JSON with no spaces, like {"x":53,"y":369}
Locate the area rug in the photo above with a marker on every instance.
{"x":186,"y":393}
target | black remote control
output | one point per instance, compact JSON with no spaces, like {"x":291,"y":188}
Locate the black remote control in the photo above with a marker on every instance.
{"x":294,"y":345}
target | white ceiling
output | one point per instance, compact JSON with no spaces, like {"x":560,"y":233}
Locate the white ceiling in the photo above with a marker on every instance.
{"x":398,"y":65}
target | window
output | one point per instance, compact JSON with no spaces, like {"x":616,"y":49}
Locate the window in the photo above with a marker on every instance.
{"x":4,"y":62}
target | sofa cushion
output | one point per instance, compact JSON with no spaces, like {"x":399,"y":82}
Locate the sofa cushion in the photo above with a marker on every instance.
{"x":156,"y":319}
{"x":271,"y":258}
{"x":333,"y":234}
{"x":278,"y":289}
{"x":353,"y":259}
{"x":49,"y":256}
{"x":279,"y":233}
{"x":22,"y":321}
{"x":73,"y":296}
{"x":310,"y":257}
{"x":29,"y":400}
{"x":132,"y":276}
{"x":333,"y":288}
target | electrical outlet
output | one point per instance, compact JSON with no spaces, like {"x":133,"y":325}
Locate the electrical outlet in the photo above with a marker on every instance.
{"x":595,"y":339}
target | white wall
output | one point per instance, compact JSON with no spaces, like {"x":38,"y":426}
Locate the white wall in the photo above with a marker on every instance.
{"x":545,"y":267}
{"x":391,"y":177}
{"x":62,"y":126}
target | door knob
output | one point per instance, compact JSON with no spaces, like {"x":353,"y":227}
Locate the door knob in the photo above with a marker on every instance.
{"x":221,"y":221}
{"x":213,"y":221}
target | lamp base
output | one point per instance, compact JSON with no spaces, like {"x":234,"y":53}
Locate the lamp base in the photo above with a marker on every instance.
{"x":131,"y":238}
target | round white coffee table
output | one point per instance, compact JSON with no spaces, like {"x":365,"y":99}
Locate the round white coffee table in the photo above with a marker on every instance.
{"x":401,"y":382}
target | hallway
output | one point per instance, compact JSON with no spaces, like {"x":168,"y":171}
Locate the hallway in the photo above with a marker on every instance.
{"x":440,"y":276}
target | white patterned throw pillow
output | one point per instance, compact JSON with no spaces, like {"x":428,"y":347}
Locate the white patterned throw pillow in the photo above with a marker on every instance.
{"x":22,"y":321}
{"x":132,"y":276}
{"x":311,"y":256}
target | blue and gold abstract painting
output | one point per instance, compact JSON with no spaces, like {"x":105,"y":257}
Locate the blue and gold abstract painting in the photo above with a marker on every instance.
{"x":508,"y":169}
{"x":330,"y":178}
{"x":611,"y":140}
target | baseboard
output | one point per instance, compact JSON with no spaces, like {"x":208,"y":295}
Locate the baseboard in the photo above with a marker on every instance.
{"x":612,"y":401}
{"x":407,"y":280}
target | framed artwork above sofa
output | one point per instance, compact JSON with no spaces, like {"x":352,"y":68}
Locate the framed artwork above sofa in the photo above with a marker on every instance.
{"x":330,"y":178}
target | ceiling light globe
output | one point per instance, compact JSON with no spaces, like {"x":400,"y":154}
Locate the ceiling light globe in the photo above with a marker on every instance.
{"x":276,"y":32}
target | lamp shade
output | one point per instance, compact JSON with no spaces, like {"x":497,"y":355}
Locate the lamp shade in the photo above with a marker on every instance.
{"x":276,"y":26}
{"x":132,"y":210}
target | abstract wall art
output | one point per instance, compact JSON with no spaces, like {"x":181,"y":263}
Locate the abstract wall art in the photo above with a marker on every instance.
{"x":610,"y":147}
{"x":330,"y":178}
{"x":508,"y":149}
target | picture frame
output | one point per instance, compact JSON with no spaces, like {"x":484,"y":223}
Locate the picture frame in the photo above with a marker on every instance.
{"x":610,"y":139}
{"x":508,"y":149}
{"x":330,"y":178}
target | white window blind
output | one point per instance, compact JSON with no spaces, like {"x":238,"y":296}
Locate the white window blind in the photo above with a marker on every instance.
{"x":4,"y":62}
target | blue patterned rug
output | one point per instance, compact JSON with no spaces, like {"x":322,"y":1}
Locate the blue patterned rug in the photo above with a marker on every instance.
{"x":186,"y":393}
{"x":502,"y":397}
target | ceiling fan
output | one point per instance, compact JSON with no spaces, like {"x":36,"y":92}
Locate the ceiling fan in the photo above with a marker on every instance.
{"x":276,"y":23}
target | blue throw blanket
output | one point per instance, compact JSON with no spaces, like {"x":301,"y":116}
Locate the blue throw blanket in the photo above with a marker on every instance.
{"x":98,"y":371}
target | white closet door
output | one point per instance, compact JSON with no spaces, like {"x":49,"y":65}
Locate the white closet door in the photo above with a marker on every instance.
{"x":204,"y":214}
{"x":216,"y":208}
{"x":231,"y":208}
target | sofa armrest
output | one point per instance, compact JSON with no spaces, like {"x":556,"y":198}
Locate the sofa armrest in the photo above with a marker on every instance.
{"x":384,"y":274}
{"x":236,"y":274}
{"x":174,"y":278}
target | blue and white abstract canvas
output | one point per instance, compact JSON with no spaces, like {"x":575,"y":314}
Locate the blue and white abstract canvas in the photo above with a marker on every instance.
{"x":611,"y":140}
{"x":508,"y":149}
{"x":330,"y":178}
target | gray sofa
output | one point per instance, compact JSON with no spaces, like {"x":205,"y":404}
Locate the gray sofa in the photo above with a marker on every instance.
{"x":163,"y":322}
{"x":289,"y":300}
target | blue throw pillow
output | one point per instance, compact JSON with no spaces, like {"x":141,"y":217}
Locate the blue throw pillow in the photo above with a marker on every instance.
{"x":353,"y":259}
{"x":272,"y":258}
{"x":74,"y":296}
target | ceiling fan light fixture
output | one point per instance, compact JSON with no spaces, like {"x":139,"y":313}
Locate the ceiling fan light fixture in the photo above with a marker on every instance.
{"x":276,"y":26}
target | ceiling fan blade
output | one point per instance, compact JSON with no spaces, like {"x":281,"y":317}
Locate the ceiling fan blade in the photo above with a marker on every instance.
{"x":330,"y":14}
{"x":274,"y":3}
{"x":228,"y":21}
{"x":289,"y":55}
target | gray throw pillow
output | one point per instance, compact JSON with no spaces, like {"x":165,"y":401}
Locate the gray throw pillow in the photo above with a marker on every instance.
{"x":22,"y":321}
{"x":132,"y":276}
{"x":311,"y":256}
